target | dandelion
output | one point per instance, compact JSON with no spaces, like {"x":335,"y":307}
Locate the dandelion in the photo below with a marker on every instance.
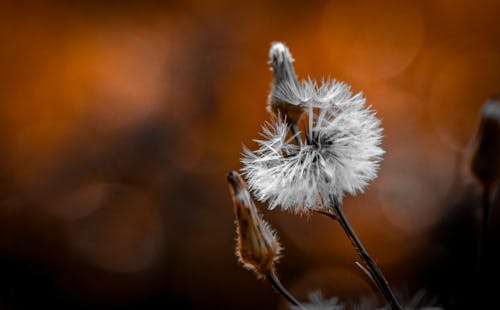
{"x":318,"y":302}
{"x":339,"y":152}
{"x":336,"y":152}
{"x":419,"y":301}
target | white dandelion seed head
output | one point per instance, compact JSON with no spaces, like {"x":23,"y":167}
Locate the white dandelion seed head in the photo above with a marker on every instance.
{"x":420,"y":300}
{"x":293,"y":93}
{"x":340,"y":152}
{"x":318,"y":302}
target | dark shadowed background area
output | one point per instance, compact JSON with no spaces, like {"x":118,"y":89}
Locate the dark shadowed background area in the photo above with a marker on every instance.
{"x":119,"y":121}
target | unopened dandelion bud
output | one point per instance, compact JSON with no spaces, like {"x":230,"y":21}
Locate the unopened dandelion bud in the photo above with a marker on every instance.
{"x":486,"y":160}
{"x":257,"y":248}
{"x":285,"y":98}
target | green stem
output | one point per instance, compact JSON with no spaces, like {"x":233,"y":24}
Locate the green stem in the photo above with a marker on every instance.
{"x":372,"y":267}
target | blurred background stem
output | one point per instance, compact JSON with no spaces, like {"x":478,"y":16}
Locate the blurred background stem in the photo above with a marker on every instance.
{"x":483,"y":237}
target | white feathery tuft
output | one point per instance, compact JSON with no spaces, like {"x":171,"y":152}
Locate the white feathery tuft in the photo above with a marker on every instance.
{"x":279,"y":52}
{"x":341,"y":152}
{"x":318,"y":302}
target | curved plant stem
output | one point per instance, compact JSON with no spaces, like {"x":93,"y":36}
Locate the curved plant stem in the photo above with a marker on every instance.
{"x":330,"y":215}
{"x":371,"y":266}
{"x":276,"y":284}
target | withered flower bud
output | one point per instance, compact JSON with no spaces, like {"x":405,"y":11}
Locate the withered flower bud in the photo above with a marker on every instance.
{"x":486,"y":161}
{"x":257,"y":246}
{"x":286,"y":95}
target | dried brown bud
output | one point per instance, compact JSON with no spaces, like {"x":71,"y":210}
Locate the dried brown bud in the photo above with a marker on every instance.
{"x":257,"y":246}
{"x":284,"y":99}
{"x":486,"y":161}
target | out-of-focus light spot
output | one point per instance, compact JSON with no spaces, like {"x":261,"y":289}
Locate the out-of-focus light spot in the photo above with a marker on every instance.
{"x":38,"y":141}
{"x":70,"y":79}
{"x":118,"y":77}
{"x":399,"y":110}
{"x":35,"y":150}
{"x":463,"y":15}
{"x":125,"y":234}
{"x":83,"y":201}
{"x":412,"y":187}
{"x":372,"y":39}
{"x":459,"y":88}
{"x":239,"y":108}
{"x":190,"y":154}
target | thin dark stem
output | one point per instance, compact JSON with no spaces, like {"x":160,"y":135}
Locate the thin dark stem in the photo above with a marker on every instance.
{"x":372,"y":267}
{"x":276,"y":284}
{"x":366,"y":272}
{"x":330,"y":215}
{"x":482,"y":246}
{"x":295,"y":131}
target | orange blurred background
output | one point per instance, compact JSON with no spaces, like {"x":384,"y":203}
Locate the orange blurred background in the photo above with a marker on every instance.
{"x":119,"y":121}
